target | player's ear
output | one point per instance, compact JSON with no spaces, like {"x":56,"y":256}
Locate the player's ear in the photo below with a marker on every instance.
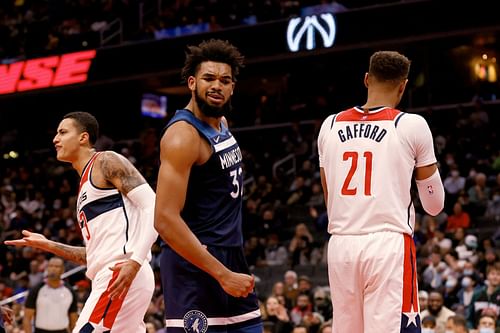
{"x":402,"y":86}
{"x":366,"y":80}
{"x":84,"y":137}
{"x":191,"y":83}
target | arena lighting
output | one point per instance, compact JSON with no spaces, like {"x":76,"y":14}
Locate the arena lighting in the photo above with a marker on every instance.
{"x":11,"y":155}
{"x":53,"y":71}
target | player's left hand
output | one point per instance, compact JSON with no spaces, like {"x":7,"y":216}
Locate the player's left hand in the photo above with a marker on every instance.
{"x":237,"y":284}
{"x":126,"y":273}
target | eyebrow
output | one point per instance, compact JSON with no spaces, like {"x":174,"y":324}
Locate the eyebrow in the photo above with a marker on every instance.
{"x":214,"y":75}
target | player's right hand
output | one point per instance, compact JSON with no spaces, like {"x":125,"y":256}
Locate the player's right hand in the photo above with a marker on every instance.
{"x":30,"y":239}
{"x":7,"y":314}
{"x":237,"y":284}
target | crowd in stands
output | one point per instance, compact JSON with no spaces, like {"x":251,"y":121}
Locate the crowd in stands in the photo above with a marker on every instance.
{"x":34,"y":28}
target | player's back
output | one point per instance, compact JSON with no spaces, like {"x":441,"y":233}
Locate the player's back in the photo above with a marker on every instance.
{"x":368,"y":167}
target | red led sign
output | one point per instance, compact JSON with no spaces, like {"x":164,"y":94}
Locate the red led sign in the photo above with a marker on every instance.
{"x":46,"y":72}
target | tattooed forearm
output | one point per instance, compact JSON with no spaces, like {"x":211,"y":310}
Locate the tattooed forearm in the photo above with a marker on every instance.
{"x":74,"y":253}
{"x":116,"y":168}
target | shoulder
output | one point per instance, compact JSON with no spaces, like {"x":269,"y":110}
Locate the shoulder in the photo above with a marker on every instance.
{"x":33,"y":292}
{"x":180,"y":134}
{"x":414,"y":127}
{"x":328,"y":122}
{"x":181,"y":142}
{"x":111,"y":161}
{"x":109,"y":155}
{"x":111,"y":158}
{"x":114,"y":170}
{"x":327,"y":125}
{"x":37,"y":287}
{"x":412,"y":120}
{"x":69,"y":288}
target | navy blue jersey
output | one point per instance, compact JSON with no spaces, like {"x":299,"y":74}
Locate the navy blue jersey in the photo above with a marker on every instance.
{"x":194,"y":301}
{"x":213,"y":201}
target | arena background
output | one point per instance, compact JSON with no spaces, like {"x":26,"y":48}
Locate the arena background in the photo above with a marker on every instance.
{"x":444,"y":42}
{"x":280,"y":99}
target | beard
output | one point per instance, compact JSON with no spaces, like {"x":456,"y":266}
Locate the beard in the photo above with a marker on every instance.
{"x":433,"y":311}
{"x":212,"y":111}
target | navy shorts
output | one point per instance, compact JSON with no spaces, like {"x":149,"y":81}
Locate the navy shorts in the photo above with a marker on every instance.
{"x":196,"y":303}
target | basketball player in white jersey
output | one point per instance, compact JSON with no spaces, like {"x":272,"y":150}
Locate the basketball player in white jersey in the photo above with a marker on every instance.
{"x":368,"y":156}
{"x":115,"y":212}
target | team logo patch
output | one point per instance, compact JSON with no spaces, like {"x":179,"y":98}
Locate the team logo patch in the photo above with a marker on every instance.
{"x":195,"y":322}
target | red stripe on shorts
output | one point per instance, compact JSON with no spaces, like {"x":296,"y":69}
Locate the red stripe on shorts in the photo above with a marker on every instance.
{"x":410,"y":297}
{"x":107,"y":309}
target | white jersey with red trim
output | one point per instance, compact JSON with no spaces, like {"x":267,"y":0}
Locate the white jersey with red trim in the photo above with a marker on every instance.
{"x":368,"y":160}
{"x":109,"y":223}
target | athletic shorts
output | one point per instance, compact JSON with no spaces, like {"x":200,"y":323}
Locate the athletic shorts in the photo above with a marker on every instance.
{"x":373,"y":282}
{"x":101,"y":314}
{"x":196,"y":303}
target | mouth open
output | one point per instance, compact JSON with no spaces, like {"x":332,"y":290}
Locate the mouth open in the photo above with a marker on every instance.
{"x":217,"y":98}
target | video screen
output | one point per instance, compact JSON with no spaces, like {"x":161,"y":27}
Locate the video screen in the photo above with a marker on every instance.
{"x":154,"y":106}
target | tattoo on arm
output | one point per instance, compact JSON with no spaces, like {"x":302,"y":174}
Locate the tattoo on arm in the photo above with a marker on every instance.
{"x":118,"y":169}
{"x":74,"y":253}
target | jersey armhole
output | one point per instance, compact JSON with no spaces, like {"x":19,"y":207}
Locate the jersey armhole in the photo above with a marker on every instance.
{"x":398,"y":118}
{"x":333,"y":120}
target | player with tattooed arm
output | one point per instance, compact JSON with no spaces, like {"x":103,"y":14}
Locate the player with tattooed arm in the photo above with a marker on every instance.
{"x":115,"y":211}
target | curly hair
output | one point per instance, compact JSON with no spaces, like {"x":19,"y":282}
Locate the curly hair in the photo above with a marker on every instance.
{"x":389,"y":66}
{"x":212,"y":50}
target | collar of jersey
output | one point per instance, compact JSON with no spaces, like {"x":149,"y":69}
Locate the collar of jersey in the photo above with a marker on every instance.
{"x":372,"y":110}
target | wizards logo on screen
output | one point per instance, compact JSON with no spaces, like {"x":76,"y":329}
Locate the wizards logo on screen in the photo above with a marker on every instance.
{"x":53,"y":71}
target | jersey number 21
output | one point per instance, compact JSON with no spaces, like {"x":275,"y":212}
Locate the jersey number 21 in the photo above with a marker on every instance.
{"x":353,"y":156}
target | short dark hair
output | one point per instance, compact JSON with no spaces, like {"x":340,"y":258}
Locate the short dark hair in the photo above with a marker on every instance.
{"x":389,"y":66}
{"x":494,"y":267}
{"x":429,"y":319}
{"x":458,"y":320}
{"x":85,"y":123}
{"x":488,"y":312}
{"x":301,"y":326}
{"x":212,"y":50}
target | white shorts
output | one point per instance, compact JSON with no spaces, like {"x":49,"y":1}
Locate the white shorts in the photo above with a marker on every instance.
{"x":373,"y":282}
{"x":126,"y":315}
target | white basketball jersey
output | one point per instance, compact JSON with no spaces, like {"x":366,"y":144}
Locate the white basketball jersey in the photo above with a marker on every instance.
{"x":108,"y":221}
{"x":368,"y":160}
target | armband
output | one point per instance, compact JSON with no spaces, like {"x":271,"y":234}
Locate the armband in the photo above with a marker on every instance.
{"x":431,"y":193}
{"x":142,"y":196}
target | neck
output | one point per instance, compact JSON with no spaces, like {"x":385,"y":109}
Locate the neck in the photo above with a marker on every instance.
{"x":82,"y":160}
{"x":381,"y":98}
{"x":54,"y":283}
{"x":491,"y":289}
{"x":213,"y":122}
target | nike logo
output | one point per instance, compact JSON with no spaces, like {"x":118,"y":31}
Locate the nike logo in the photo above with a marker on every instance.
{"x":216,"y":139}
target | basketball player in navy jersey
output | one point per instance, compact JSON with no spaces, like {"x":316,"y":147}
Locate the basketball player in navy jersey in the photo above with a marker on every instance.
{"x":206,"y":281}
{"x":115,"y":210}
